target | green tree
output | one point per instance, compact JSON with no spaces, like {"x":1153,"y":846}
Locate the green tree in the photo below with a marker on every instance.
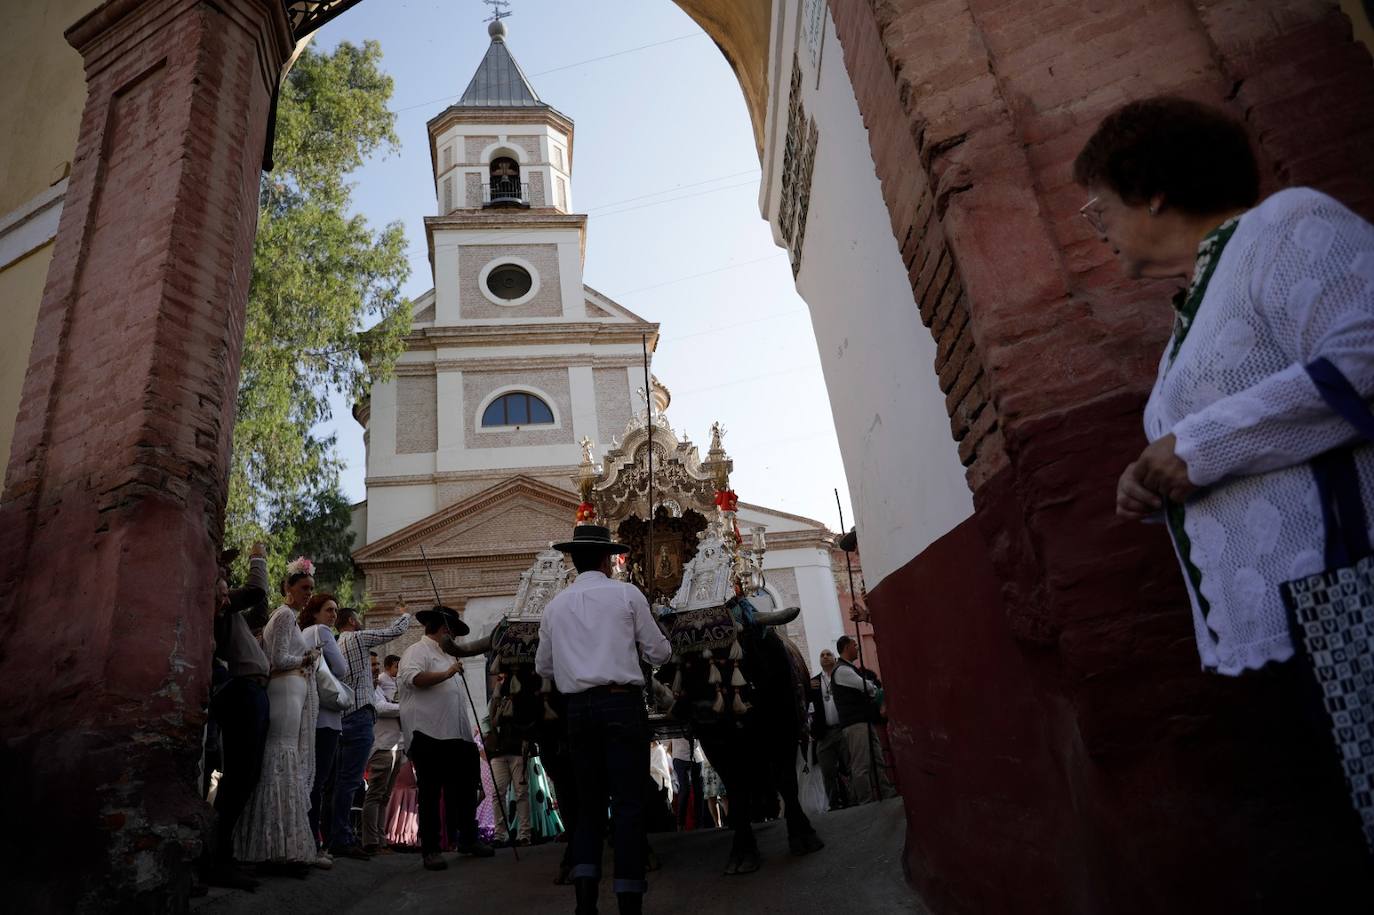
{"x":325,"y":310}
{"x":320,"y":527}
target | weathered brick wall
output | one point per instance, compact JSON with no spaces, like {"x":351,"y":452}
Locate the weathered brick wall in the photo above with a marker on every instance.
{"x":546,"y":303}
{"x":112,"y":511}
{"x":975,"y":109}
{"x":612,"y":398}
{"x":417,"y":421}
{"x":472,"y":149}
{"x":553,"y":382}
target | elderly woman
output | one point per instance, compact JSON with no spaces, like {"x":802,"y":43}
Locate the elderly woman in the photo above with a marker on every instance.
{"x":1234,"y":419}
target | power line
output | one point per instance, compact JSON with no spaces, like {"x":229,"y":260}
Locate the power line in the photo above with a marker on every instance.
{"x":703,"y":273}
{"x":678,"y":187}
{"x":739,"y":381}
{"x":590,"y":60}
{"x":654,"y":203}
{"x":719,"y":327}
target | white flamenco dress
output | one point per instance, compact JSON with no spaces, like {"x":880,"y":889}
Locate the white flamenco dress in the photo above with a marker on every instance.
{"x":274,"y":827}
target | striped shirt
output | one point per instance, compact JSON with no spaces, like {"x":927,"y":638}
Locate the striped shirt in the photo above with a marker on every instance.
{"x":355,"y":647}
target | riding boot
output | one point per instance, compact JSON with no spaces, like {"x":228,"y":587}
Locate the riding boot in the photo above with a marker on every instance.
{"x":586,"y":888}
{"x":630,"y":903}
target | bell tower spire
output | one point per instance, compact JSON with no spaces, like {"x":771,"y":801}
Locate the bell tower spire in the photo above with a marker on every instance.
{"x":501,"y":145}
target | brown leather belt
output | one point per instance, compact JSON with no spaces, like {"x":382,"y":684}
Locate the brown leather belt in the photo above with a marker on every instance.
{"x":615,"y":688}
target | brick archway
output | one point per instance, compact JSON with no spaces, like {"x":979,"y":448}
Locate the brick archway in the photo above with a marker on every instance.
{"x":113,"y":502}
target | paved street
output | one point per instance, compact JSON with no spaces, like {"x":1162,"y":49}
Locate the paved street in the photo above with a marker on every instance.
{"x":861,"y":867}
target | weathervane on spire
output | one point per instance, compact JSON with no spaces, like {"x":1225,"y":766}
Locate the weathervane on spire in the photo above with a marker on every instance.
{"x":498,"y":10}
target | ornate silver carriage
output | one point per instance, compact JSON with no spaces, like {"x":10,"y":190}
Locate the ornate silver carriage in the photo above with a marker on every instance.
{"x":689,"y":557}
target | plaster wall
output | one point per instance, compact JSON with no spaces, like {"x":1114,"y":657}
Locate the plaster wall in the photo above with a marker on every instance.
{"x":41,"y":108}
{"x":21,"y":291}
{"x":393,"y":507}
{"x":815,"y":592}
{"x":482,"y":614}
{"x":906,"y":481}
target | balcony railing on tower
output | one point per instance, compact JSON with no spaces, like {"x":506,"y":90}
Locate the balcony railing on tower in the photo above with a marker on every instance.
{"x":505,"y":192}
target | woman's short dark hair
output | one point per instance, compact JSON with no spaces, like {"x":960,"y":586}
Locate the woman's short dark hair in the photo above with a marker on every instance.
{"x":1194,"y":156}
{"x":312,"y":608}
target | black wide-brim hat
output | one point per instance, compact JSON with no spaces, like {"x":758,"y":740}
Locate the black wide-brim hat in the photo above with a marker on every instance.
{"x":591,"y":538}
{"x":448,"y":615}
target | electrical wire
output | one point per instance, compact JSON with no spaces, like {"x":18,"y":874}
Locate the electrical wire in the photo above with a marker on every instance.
{"x":579,"y":63}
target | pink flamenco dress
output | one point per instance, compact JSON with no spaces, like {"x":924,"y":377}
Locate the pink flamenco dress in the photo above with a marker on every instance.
{"x":403,"y":810}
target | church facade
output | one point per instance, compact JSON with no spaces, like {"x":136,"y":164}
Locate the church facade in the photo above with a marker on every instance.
{"x":513,"y":362}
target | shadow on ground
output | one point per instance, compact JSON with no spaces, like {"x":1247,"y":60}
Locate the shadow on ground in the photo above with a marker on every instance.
{"x":858,"y":870}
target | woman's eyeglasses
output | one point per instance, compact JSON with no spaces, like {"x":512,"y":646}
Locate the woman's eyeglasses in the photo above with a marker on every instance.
{"x":1093,"y":215}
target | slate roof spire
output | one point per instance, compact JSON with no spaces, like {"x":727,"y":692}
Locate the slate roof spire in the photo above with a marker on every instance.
{"x":499,"y":82}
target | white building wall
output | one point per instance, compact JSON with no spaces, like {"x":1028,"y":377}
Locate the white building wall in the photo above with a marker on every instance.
{"x":906,"y":483}
{"x":482,"y":614}
{"x":820,"y":605}
{"x":390,"y":508}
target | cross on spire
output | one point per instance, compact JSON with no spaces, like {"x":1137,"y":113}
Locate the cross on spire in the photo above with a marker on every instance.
{"x":498,"y":10}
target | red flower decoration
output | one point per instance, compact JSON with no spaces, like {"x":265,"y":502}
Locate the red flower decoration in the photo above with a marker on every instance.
{"x":586,"y":512}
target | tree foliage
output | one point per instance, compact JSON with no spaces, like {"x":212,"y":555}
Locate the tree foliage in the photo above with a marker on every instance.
{"x":325,"y":310}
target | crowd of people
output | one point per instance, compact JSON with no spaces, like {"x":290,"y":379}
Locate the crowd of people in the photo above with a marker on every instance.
{"x":320,"y":749}
{"x":306,"y":719}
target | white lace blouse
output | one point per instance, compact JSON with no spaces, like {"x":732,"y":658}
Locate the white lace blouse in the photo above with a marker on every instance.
{"x":1295,"y":282}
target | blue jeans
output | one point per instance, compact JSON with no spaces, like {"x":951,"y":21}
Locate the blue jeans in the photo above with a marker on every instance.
{"x":326,"y":752}
{"x":610,"y":748}
{"x":355,"y":746}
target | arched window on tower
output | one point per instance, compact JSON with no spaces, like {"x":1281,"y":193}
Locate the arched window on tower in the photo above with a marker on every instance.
{"x":505,"y":187}
{"x":518,"y":408}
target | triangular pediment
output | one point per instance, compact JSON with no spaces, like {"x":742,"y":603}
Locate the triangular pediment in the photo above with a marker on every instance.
{"x":603,"y":307}
{"x":517,"y":516}
{"x":422,"y":309}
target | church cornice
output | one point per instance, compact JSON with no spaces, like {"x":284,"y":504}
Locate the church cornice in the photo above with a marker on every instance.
{"x":495,"y":474}
{"x":544,"y":218}
{"x":453,"y":115}
{"x":589,"y":332}
{"x":517,"y":364}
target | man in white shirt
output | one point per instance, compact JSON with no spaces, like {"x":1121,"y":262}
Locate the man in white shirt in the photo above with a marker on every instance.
{"x":438,"y":735}
{"x":832,"y":752}
{"x":591,"y":640}
{"x":382,"y":764}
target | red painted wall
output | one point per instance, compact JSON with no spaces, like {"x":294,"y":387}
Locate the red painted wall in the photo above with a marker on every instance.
{"x":1059,"y":749}
{"x":1031,"y":787}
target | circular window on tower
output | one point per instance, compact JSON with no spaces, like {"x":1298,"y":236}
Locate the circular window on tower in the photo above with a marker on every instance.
{"x":509,"y":282}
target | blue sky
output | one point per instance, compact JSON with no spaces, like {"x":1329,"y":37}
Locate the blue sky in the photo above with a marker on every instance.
{"x":665,"y":166}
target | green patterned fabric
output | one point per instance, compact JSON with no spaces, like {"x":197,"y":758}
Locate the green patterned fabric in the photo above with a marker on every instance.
{"x":1186,"y":305}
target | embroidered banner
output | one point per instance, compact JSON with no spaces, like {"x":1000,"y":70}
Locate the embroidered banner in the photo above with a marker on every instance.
{"x":515,"y":641}
{"x":696,"y":630}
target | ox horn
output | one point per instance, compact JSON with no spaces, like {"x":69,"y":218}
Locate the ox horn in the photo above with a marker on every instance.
{"x":469,"y":647}
{"x":777,"y":617}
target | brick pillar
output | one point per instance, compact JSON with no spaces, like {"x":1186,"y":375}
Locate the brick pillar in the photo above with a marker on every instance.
{"x":975,"y":110}
{"x":113,"y":504}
